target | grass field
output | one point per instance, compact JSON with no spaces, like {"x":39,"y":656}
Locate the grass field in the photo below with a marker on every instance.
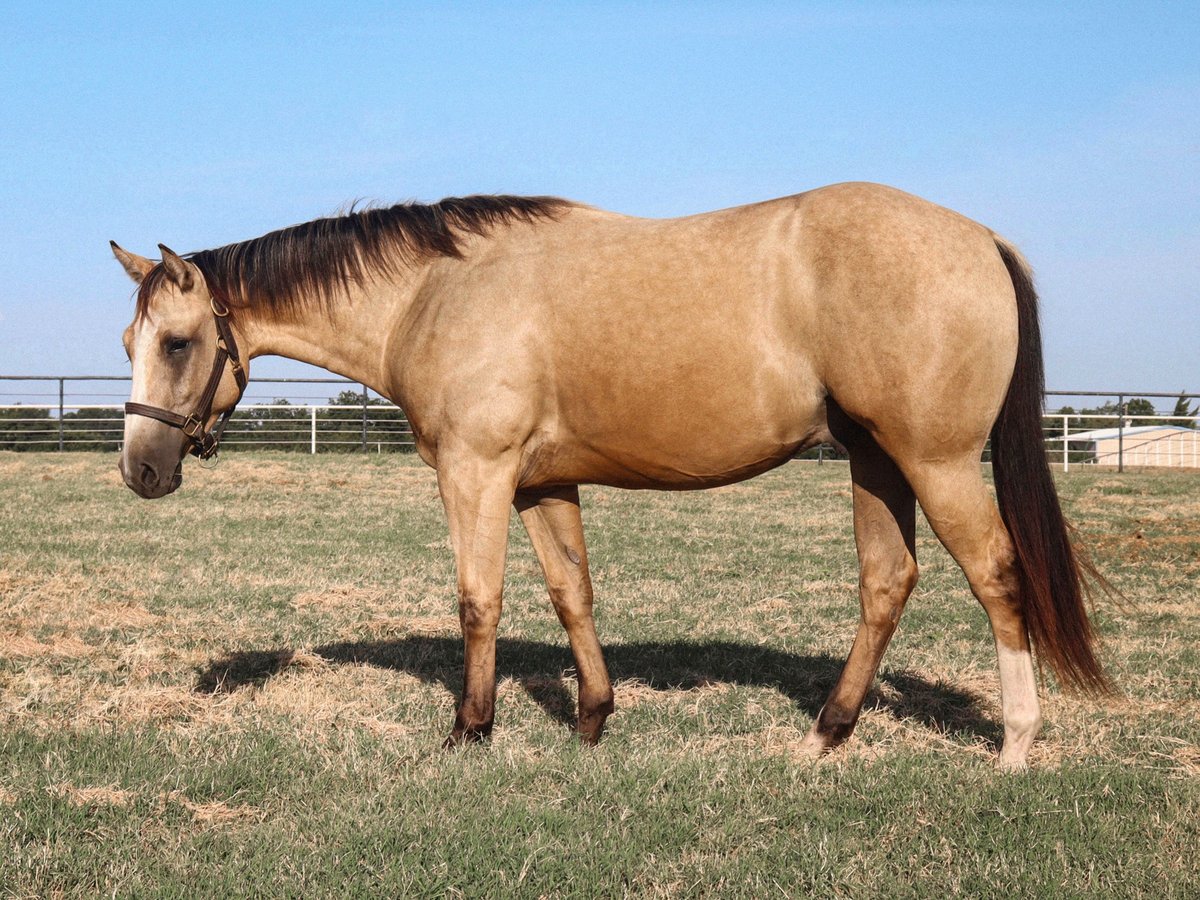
{"x":242,"y":689}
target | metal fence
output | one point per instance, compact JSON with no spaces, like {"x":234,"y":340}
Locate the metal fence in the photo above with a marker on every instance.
{"x":83,"y":414}
{"x":309,"y":428}
{"x":1115,"y":438}
{"x":86,"y":413}
{"x":1135,"y":441}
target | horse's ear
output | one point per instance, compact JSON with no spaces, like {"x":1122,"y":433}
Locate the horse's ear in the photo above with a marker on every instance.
{"x":177,"y":268}
{"x":136,"y":266}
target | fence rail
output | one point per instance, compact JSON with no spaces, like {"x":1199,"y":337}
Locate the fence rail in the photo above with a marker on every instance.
{"x":1140,"y":441}
{"x":372,"y":424}
{"x":86,"y":417}
{"x":310,"y":427}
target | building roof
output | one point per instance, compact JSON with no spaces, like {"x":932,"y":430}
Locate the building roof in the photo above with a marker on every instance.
{"x":1101,"y":434}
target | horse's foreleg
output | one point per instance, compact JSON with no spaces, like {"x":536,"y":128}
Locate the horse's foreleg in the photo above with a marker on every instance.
{"x":555,"y":528}
{"x":884,"y":528}
{"x":477,"y":496}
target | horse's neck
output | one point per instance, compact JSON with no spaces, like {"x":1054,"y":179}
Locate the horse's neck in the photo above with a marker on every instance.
{"x":349,"y":337}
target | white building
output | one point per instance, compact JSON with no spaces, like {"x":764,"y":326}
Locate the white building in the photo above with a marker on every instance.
{"x":1165,"y":446}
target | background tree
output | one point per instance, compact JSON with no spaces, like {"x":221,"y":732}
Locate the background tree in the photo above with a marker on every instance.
{"x":19,"y":427}
{"x":93,"y":429}
{"x":1184,"y":410}
{"x":280,"y":426}
{"x":1105,"y":415}
{"x":1139,"y":406}
{"x":341,"y":429}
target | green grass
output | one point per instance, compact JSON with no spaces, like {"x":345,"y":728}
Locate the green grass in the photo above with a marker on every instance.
{"x":242,"y":689}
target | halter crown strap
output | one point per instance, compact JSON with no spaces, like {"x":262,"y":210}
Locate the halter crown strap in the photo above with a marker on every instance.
{"x":204,"y":443}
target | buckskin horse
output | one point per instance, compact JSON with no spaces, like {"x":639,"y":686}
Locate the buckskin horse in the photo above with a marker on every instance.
{"x":537,"y":344}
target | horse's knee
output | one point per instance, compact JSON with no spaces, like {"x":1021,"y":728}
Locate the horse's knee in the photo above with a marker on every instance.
{"x":885,"y":588}
{"x":478,"y":612}
{"x":572,"y":604}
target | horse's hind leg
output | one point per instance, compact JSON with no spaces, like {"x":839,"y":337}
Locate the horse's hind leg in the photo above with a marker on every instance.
{"x":884,"y":527}
{"x":965,"y":519}
{"x":555,"y":528}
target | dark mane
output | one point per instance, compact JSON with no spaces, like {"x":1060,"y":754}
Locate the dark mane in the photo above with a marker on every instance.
{"x":316,"y":262}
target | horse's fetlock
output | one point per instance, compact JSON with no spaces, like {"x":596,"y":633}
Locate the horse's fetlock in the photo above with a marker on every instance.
{"x":1023,"y":723}
{"x":836,"y":723}
{"x":474,"y":717}
{"x":598,"y":704}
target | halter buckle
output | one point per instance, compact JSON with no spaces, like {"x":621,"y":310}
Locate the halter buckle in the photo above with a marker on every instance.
{"x":192,"y":427}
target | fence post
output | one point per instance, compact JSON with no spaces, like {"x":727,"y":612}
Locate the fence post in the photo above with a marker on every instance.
{"x":1120,"y":432}
{"x":1066,"y":446}
{"x":312,"y":431}
{"x":364,"y":421}
{"x":61,"y":382}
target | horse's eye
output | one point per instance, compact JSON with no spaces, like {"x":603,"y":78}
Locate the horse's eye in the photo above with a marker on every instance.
{"x":177,"y":345}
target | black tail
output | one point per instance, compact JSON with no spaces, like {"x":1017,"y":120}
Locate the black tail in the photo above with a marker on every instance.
{"x":1052,"y":587}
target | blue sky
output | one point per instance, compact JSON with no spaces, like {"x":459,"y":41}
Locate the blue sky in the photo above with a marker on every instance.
{"x":1074,"y":129}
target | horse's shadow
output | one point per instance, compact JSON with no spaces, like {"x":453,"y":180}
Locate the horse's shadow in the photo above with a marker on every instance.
{"x":664,"y":666}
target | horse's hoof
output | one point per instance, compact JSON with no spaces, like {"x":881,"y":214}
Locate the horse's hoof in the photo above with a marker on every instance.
{"x":465,"y":737}
{"x":1012,"y":763}
{"x":814,"y":746}
{"x":589,"y":737}
{"x":589,"y":723}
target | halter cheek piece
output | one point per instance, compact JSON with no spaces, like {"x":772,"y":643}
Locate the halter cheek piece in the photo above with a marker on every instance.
{"x":204,"y":443}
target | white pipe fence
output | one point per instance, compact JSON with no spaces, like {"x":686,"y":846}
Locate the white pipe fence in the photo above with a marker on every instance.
{"x":266,"y":426}
{"x":1137,"y":441}
{"x":372,"y":424}
{"x":1071,"y":440}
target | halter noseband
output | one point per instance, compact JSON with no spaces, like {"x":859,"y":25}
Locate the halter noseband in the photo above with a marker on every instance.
{"x":204,"y":443}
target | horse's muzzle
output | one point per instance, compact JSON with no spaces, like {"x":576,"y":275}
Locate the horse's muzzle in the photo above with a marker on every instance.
{"x":147,"y":481}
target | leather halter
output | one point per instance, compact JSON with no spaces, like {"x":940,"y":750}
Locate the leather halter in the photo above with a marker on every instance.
{"x":204,"y":443}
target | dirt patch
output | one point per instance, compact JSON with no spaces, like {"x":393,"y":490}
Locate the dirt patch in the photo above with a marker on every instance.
{"x":149,"y":704}
{"x":22,"y":646}
{"x":117,"y":615}
{"x":1188,"y":759}
{"x":91,"y":796}
{"x":212,"y":813}
{"x":215,"y":812}
{"x":339,"y":597}
{"x":430,"y":625}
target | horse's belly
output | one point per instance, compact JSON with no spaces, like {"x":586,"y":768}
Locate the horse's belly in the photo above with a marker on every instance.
{"x":676,"y":449}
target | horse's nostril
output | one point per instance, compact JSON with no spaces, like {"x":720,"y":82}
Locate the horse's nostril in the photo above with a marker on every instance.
{"x":149,"y":476}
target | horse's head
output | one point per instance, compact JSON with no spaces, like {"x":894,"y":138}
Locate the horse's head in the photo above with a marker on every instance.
{"x":187,"y":372}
